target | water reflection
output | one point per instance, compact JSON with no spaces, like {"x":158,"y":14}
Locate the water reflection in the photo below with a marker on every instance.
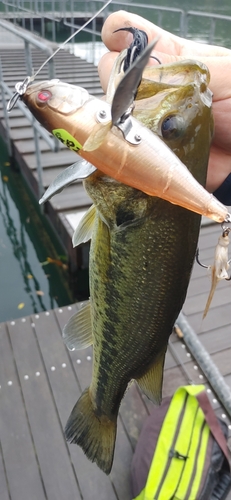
{"x":26,"y":286}
{"x":19,"y":248}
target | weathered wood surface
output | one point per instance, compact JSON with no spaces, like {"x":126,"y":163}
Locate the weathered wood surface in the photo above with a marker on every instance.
{"x":40,"y":382}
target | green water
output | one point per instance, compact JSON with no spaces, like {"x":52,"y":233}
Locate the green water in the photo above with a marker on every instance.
{"x":26,"y":285}
{"x":198,"y":27}
{"x":222,"y":7}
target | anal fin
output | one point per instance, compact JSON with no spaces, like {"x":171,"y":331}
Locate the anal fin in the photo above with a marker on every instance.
{"x":151,"y":383}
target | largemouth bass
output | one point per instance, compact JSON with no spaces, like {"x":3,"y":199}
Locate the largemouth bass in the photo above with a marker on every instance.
{"x":142,"y":252}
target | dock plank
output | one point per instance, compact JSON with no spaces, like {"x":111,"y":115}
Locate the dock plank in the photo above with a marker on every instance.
{"x":82,"y":364}
{"x":66,"y":390}
{"x":21,"y":464}
{"x":216,"y":318}
{"x":53,"y":456}
{"x":196,"y":303}
{"x":4,"y":491}
{"x":72,"y":199}
{"x":34,"y":344}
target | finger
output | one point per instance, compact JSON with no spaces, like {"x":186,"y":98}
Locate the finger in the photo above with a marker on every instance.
{"x":104,"y":68}
{"x":220,"y":70}
{"x":122,"y":39}
{"x":168,"y":43}
{"x":218,"y":168}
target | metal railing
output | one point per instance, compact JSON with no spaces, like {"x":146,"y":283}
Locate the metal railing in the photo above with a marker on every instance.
{"x":118,"y":4}
{"x":213,"y":18}
{"x":66,"y":12}
{"x":36,"y":9}
{"x":39,"y":131}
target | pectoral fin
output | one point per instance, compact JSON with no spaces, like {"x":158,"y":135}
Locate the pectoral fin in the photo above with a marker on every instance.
{"x":84,"y":229}
{"x":151,"y":382}
{"x":97,"y":136}
{"x":77,"y":333}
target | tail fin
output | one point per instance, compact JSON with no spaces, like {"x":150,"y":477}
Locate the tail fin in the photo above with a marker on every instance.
{"x":96,"y":435}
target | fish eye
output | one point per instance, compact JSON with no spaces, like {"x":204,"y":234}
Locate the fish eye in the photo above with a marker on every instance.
{"x":44,"y":95}
{"x":172,"y":127}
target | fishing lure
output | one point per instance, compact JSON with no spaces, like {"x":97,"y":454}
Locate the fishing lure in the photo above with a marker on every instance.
{"x":109,"y":138}
{"x":220,"y":265}
{"x":20,"y":87}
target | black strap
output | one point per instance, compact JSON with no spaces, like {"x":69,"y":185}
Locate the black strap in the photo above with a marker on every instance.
{"x":213,"y":424}
{"x":223,"y":193}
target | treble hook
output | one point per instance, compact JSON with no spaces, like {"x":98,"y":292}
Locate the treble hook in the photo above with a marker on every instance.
{"x":209,"y":267}
{"x":199,"y":262}
{"x":225,"y":232}
{"x":220,"y":265}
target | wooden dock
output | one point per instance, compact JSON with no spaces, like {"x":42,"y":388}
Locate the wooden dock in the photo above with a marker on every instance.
{"x":40,"y":382}
{"x":63,"y":210}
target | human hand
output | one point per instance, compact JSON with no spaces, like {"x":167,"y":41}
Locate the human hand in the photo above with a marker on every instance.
{"x":170,"y":48}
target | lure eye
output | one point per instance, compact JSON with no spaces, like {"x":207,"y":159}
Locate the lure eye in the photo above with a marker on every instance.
{"x":44,"y":95}
{"x":172,"y":127}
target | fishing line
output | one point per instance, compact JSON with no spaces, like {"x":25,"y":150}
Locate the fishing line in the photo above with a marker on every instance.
{"x":21,"y":87}
{"x":72,"y":36}
{"x":178,"y":360}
